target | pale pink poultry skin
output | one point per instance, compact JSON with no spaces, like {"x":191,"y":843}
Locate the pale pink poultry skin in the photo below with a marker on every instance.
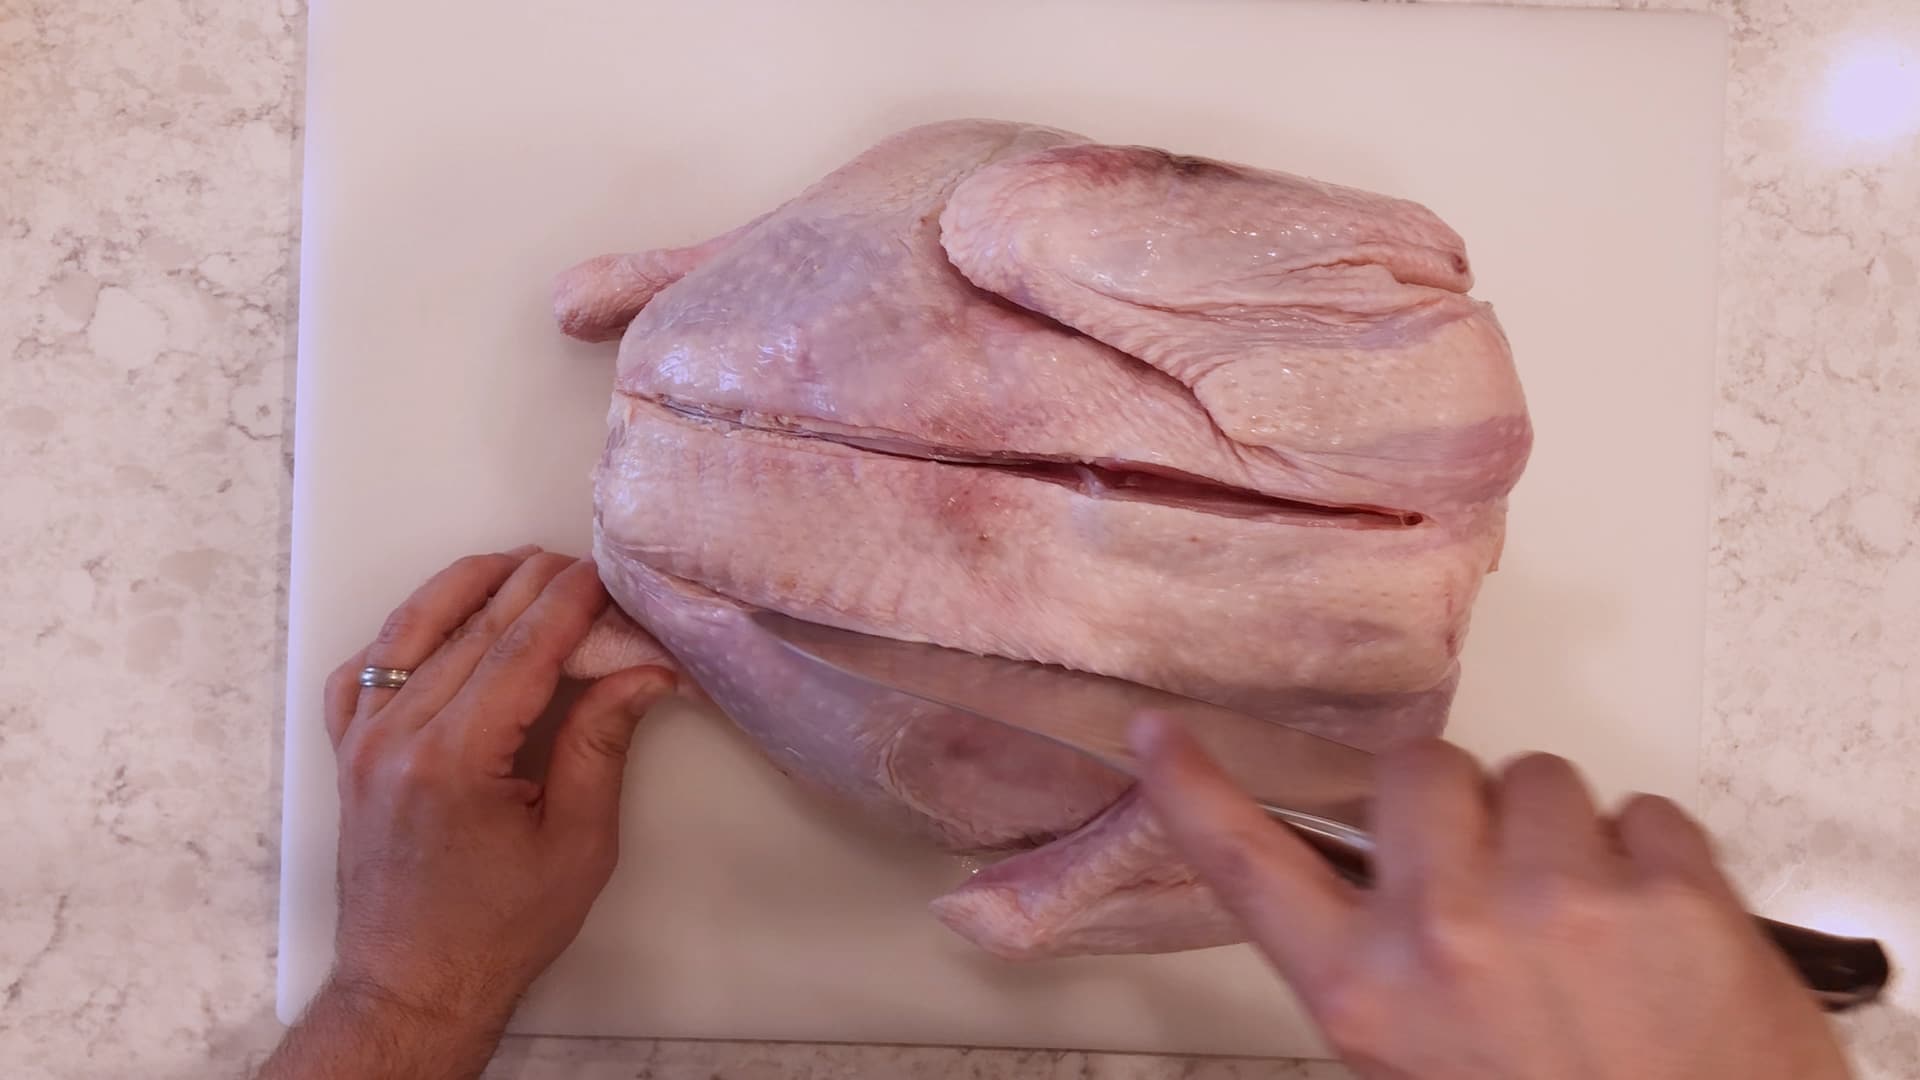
{"x":1226,"y":432}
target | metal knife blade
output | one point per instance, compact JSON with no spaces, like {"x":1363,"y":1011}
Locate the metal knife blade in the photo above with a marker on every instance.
{"x":1318,"y":786}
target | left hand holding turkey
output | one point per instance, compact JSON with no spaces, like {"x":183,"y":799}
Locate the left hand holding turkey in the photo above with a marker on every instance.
{"x":460,"y":882}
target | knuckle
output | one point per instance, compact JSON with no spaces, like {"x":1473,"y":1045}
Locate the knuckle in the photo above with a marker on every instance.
{"x":1681,"y":903}
{"x":1716,"y":931}
{"x":416,"y":770}
{"x":1352,"y":1013}
{"x":403,"y":625}
{"x":480,"y":622}
{"x":1566,"y":907}
{"x":360,"y":764}
{"x":516,"y":643}
{"x":1453,"y":940}
{"x":600,"y":744}
{"x":342,"y":683}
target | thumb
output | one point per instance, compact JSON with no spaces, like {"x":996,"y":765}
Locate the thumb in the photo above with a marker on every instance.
{"x":1289,"y":899}
{"x":590,"y":750}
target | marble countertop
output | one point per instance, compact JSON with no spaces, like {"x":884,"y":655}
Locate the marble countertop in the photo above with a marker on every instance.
{"x":149,"y":193}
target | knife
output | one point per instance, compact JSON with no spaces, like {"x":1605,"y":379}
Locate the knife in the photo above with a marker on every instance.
{"x":1318,"y":786}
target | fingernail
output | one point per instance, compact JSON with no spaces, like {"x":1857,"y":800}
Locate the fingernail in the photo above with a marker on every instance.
{"x":523,"y":550}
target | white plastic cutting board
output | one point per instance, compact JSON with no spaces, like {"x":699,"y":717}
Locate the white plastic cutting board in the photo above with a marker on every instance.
{"x":460,"y":153}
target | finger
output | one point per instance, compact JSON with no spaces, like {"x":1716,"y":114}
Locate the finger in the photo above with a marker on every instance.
{"x":1664,"y":842}
{"x":1547,"y":823}
{"x":417,"y":627}
{"x":590,"y":753}
{"x":1430,"y":822}
{"x":1288,"y":897}
{"x":516,"y":677}
{"x":435,"y":682}
{"x":341,"y":695}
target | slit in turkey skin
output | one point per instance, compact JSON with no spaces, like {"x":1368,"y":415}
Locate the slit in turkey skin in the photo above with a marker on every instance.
{"x":1094,"y":479}
{"x":993,"y":562}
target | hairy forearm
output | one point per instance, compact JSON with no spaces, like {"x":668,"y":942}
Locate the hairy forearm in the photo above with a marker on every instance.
{"x":357,"y":1032}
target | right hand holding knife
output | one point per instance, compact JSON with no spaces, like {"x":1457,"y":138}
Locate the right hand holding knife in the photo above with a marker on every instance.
{"x":1512,"y":931}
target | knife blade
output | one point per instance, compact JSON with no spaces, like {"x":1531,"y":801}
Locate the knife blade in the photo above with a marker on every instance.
{"x":1318,"y":786}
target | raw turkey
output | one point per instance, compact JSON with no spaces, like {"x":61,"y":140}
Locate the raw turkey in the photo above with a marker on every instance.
{"x":1227,"y":432}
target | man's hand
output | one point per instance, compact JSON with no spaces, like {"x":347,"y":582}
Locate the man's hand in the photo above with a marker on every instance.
{"x":459,"y":881}
{"x":1512,"y":932}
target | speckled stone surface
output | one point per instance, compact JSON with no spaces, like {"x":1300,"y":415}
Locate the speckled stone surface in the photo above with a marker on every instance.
{"x":149,"y":191}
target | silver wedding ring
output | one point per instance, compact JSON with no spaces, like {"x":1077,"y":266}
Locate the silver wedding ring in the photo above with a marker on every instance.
{"x":384,"y":678}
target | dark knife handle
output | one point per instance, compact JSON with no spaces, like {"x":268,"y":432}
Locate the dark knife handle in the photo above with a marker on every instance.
{"x":1842,"y":972}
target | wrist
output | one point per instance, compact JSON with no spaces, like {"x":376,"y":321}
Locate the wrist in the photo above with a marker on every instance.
{"x":393,"y":1003}
{"x":466,"y":992}
{"x":357,"y":1028}
{"x":417,"y":1033}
